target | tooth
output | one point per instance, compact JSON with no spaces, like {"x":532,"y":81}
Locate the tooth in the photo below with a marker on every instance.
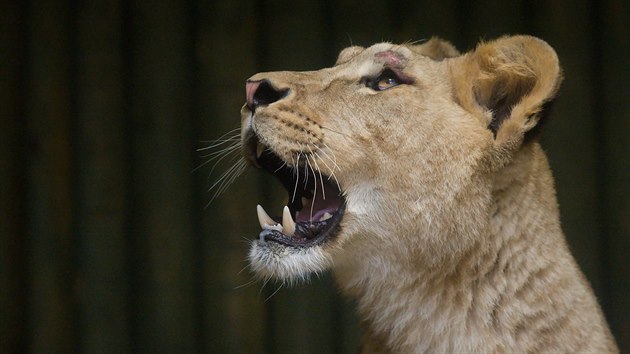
{"x":260,"y":148}
{"x":287,"y":222}
{"x":326,"y":216}
{"x":263,"y":218}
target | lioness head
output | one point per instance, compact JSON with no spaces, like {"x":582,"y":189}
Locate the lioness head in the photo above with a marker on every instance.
{"x":395,"y":147}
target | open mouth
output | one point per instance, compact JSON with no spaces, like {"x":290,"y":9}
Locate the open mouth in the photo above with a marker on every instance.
{"x":315,"y":205}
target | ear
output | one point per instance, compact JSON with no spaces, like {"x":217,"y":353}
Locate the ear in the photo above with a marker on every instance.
{"x":436,"y":49}
{"x":348,"y":53}
{"x":507,"y":81}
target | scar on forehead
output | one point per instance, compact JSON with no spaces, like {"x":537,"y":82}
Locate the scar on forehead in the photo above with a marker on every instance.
{"x":391,"y":58}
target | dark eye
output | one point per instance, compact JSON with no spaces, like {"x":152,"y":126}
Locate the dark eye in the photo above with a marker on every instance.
{"x":387,"y":79}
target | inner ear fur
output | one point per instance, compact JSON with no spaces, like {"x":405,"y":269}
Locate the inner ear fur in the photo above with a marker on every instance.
{"x":508,"y":80}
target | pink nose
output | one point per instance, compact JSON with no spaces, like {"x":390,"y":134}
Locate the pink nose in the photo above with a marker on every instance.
{"x":262,"y":93}
{"x":250,"y":90}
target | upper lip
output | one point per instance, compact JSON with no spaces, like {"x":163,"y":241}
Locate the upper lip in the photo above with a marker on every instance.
{"x":251,"y":147}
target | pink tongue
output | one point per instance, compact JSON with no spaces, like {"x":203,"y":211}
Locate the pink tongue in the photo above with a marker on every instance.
{"x":320,"y":207}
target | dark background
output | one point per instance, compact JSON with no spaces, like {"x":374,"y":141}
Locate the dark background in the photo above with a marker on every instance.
{"x":105,"y":244}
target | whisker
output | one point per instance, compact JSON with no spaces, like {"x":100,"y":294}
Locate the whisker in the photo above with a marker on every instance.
{"x":279,"y":168}
{"x":335,"y":166}
{"x":264,"y":284}
{"x":227,"y":178}
{"x":250,"y":282}
{"x":219,"y":154}
{"x":331,"y":151}
{"x":305,"y":167}
{"x":245,"y":240}
{"x":334,"y":131}
{"x":217,"y":142}
{"x":230,"y":180}
{"x":223,"y":136}
{"x":324,"y":162}
{"x":218,"y":161}
{"x":234,"y":145}
{"x":315,"y":192}
{"x":225,"y":175}
{"x":297,"y":177}
{"x":241,"y":168}
{"x":275,"y":292}
{"x":414,"y":42}
{"x":321,"y":178}
{"x":242,"y":269}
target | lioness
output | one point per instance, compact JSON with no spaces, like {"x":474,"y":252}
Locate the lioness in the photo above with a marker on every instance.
{"x":414,"y":173}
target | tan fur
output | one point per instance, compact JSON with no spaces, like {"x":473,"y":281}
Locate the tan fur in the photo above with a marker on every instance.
{"x":451,"y":240}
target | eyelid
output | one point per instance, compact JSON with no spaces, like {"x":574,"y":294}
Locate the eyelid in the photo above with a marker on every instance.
{"x":400,"y":75}
{"x":372,"y":81}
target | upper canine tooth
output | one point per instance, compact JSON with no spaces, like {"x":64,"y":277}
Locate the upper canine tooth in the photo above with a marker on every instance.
{"x":264,"y":219}
{"x":260,"y":148}
{"x":288,"y":224}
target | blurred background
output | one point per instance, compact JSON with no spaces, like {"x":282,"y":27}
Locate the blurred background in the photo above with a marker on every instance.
{"x":107,"y":244}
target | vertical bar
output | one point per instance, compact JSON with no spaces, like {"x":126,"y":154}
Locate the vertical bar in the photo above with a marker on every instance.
{"x":50,"y":241}
{"x":161,"y":232}
{"x":225,"y":49}
{"x":568,"y":135}
{"x":612,"y":131}
{"x":12,"y":252}
{"x":100,"y":180}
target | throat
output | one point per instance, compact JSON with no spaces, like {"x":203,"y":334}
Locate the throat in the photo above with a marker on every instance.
{"x":405,"y":298}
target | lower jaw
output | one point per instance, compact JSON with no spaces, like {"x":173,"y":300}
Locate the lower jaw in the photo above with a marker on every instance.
{"x":307,"y":234}
{"x":292,"y":265}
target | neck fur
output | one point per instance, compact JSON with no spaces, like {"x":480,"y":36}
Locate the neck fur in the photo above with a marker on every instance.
{"x":411,"y":304}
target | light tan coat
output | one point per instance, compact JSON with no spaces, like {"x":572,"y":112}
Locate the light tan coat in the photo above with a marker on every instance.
{"x":451,"y":241}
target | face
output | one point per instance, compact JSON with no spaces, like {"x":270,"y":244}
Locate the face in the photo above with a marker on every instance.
{"x":367,"y":151}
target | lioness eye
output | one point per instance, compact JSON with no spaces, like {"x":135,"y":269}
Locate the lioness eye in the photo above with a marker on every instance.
{"x":387,"y":79}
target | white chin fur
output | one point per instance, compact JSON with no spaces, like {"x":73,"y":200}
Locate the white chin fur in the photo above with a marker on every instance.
{"x":288,"y":264}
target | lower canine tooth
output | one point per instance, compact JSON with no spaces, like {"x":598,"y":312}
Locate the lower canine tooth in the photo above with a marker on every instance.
{"x":287,"y":222}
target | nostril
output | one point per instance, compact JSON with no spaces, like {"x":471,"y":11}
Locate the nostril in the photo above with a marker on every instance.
{"x":262,"y":93}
